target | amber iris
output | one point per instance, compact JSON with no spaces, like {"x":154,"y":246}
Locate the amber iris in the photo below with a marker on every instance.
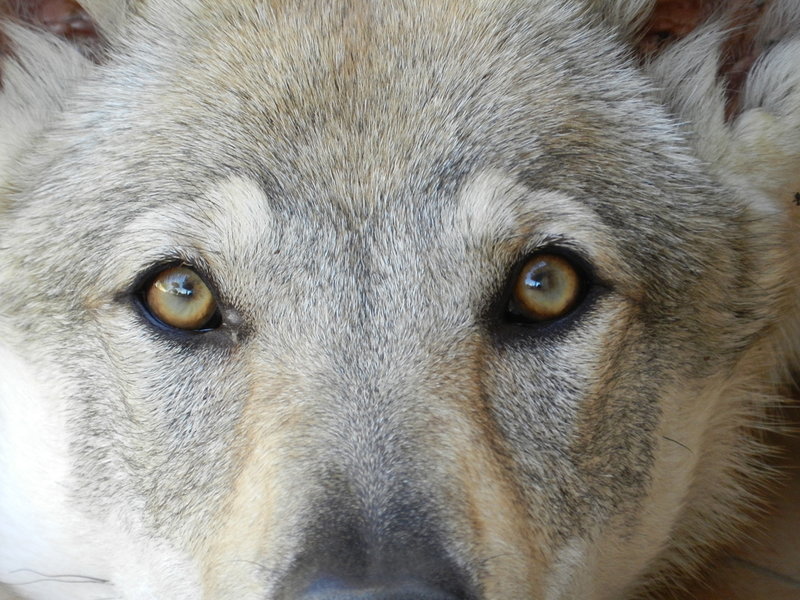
{"x":548,"y":287}
{"x":179,"y":297}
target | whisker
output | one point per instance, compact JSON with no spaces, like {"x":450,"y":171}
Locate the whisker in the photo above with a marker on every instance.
{"x":682,"y":445}
{"x":484,"y":562}
{"x":63,"y":578}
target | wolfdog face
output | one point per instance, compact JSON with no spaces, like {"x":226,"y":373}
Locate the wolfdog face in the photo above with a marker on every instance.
{"x":373,"y":300}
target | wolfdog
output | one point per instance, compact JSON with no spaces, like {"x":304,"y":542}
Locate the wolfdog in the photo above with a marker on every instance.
{"x":397,"y":299}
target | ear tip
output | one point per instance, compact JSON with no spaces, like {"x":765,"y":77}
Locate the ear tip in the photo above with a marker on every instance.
{"x":65,"y":19}
{"x":629,"y":16}
{"x":78,"y":20}
{"x":108,"y":15}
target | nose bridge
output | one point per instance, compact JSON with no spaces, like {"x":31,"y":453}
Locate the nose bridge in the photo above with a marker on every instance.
{"x":389,"y":405}
{"x":380,"y":519}
{"x":397,"y":369}
{"x":382,"y":416}
{"x":377,"y":444}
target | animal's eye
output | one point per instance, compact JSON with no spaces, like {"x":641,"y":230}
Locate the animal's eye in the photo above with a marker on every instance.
{"x":179,"y":298}
{"x":547,"y":287}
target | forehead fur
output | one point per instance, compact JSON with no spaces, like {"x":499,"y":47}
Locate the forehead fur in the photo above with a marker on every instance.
{"x":348,"y":114}
{"x":351,"y":101}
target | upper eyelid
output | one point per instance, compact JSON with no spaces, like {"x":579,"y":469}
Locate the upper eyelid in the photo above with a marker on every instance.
{"x":149,"y":272}
{"x":563,"y":247}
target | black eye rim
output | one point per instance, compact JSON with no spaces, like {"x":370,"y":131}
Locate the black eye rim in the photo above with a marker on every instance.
{"x":138,"y":294}
{"x":505,"y":321}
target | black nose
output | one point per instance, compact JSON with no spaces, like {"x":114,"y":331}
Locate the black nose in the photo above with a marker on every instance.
{"x":328,"y":589}
{"x":402,"y":556}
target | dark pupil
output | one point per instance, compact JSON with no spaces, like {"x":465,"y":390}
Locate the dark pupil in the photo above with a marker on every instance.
{"x":181,"y":285}
{"x":539,"y":277}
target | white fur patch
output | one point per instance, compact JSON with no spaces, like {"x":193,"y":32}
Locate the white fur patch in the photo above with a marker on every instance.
{"x":231,"y":219}
{"x":51,"y":549}
{"x":494,"y":207}
{"x":48,"y":550}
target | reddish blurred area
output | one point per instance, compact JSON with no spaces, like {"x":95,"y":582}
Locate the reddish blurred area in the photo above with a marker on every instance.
{"x":675,"y":19}
{"x":671,"y":20}
{"x":65,"y":18}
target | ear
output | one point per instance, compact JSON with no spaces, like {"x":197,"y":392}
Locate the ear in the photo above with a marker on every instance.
{"x":729,"y":71}
{"x":736,"y":79}
{"x":46,"y":48}
{"x":110,"y":16}
{"x":38,"y":70}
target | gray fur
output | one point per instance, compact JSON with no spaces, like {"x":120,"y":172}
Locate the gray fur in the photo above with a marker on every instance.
{"x":358,"y":180}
